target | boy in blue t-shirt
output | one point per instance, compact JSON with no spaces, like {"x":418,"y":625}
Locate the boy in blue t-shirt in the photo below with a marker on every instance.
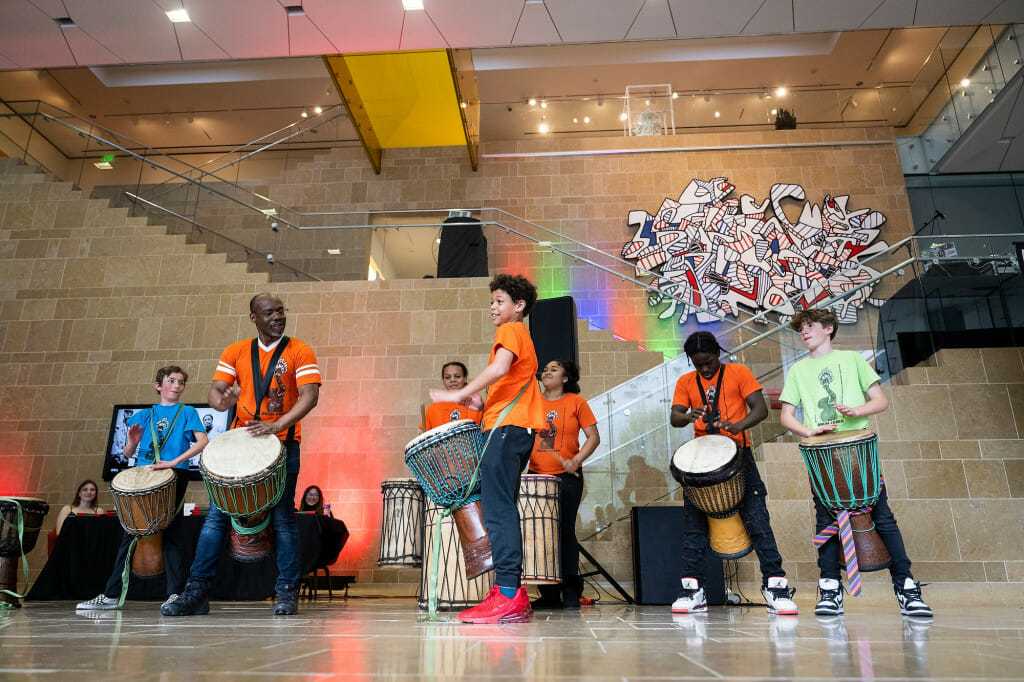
{"x":180,"y":436}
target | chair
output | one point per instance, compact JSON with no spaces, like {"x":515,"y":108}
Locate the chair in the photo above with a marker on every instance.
{"x":333,"y":536}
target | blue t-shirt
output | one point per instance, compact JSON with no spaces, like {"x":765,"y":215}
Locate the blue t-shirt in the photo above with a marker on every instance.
{"x":180,"y":438}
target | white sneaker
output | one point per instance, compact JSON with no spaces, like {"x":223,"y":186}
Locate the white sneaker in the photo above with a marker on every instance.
{"x":170,"y":600}
{"x":910,"y":601}
{"x":99,"y":603}
{"x":691,"y":598}
{"x":830,"y":598}
{"x":779,"y":596}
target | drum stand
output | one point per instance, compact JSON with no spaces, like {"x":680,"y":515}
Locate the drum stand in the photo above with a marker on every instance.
{"x":600,"y":571}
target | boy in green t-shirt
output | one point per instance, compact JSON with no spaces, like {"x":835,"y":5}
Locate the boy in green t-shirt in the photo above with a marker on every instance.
{"x":831,"y":386}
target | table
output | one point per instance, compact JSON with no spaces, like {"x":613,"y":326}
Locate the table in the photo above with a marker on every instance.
{"x":86,"y":548}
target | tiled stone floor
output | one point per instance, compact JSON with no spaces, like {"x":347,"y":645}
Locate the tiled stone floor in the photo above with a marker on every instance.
{"x":385,"y":638}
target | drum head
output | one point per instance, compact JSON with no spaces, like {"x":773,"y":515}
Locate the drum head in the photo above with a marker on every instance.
{"x":439,"y":432}
{"x":399,"y":483}
{"x":838,"y":438}
{"x":238,"y":454}
{"x":704,"y":454}
{"x":137,"y":479}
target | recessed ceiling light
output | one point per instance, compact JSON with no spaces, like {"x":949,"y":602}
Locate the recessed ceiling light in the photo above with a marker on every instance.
{"x":965,"y":82}
{"x":334,"y":252}
{"x":178,"y":16}
{"x":543,"y":104}
{"x":317,"y":110}
{"x":780,"y":92}
{"x":303,"y":114}
{"x":586,"y":119}
{"x":532,"y":102}
{"x":412,"y":4}
{"x":718,"y":114}
{"x":622,"y":116}
{"x":543,"y":127}
{"x":774,"y":111}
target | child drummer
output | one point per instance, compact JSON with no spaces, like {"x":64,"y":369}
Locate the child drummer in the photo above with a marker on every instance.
{"x":513,"y":400}
{"x":166,"y":436}
{"x":726,"y":399}
{"x":830,"y":386}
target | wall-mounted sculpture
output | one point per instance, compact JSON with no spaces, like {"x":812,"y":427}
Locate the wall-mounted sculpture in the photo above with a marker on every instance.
{"x":722,"y":254}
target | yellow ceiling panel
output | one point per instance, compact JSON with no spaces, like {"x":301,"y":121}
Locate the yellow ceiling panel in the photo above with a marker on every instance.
{"x":409,"y":97}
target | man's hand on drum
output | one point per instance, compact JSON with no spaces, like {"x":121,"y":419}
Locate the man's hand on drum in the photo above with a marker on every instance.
{"x":258,"y":428}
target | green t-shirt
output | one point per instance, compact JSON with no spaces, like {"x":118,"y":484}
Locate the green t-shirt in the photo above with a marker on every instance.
{"x":842,"y":376}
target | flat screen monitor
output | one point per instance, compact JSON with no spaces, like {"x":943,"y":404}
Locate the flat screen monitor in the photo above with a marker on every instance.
{"x":214,"y":421}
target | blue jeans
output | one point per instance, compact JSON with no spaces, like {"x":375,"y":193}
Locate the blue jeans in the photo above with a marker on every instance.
{"x":829,"y":553}
{"x":173,"y":541}
{"x":286,"y":533}
{"x":753,"y":511}
{"x":501,"y":465}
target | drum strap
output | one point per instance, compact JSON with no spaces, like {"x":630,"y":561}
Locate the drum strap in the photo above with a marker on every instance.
{"x":20,"y":526}
{"x":718,"y":389}
{"x":158,"y":443}
{"x":264,"y":378}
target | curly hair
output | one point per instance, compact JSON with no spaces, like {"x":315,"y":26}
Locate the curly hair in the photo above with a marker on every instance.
{"x":518,"y":287}
{"x":823,"y":315}
{"x":572,"y":373}
{"x":167,"y":371}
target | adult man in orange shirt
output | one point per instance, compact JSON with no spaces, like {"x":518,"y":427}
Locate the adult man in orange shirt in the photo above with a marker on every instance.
{"x":278,"y":384}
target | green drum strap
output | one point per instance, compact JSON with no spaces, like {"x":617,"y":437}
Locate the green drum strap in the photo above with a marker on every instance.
{"x":24,"y":562}
{"x":436,"y":538}
{"x":126,"y":570}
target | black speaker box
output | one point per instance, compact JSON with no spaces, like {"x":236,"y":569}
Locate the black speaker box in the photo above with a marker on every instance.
{"x":657,"y":557}
{"x":463,"y":249}
{"x":553,"y":330}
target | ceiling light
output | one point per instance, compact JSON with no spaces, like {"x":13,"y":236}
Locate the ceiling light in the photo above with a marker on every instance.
{"x":774,"y":111}
{"x":66,"y":22}
{"x":534,"y":2}
{"x":718,"y":114}
{"x":412,"y":4}
{"x":622,"y":116}
{"x":675,"y":95}
{"x":104,"y":165}
{"x":586,"y":119}
{"x":543,"y":105}
{"x":543,"y":127}
{"x":304,"y":114}
{"x":575,"y":120}
{"x":780,"y":92}
{"x":178,"y":16}
{"x":334,"y":252}
{"x":317,"y":110}
{"x":965,"y":82}
{"x":532,"y":102}
{"x":462,"y":104}
{"x":295,"y":11}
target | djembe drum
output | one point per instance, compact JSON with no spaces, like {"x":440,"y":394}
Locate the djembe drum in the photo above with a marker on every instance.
{"x":454,"y":589}
{"x":245,"y":477}
{"x":539,"y":509}
{"x":144,"y":499}
{"x":401,"y":535}
{"x":444,"y":461}
{"x":846,"y":477}
{"x":710,"y":469}
{"x":13,"y":545}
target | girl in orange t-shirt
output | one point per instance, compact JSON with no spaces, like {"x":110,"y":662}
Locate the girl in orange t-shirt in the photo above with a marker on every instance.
{"x":557,"y":452}
{"x":454,"y":376}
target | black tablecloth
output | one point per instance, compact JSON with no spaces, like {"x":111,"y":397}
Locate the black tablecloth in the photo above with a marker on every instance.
{"x":86,"y":548}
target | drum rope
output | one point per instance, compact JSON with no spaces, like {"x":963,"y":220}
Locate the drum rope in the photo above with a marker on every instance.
{"x":436,"y":539}
{"x":4,"y":605}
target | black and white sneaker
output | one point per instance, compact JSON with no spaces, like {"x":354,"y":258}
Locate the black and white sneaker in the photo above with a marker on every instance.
{"x":779,"y":597}
{"x":691,"y":598}
{"x":830,"y":598}
{"x":100,"y":602}
{"x":910,"y":601}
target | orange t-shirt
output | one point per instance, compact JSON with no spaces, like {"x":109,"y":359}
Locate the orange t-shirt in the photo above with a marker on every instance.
{"x":737,"y":383}
{"x":560,"y":439}
{"x":442,"y":413}
{"x":296,"y":367}
{"x":528,"y":412}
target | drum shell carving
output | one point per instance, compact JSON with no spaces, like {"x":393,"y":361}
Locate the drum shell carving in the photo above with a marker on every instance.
{"x":539,"y":516}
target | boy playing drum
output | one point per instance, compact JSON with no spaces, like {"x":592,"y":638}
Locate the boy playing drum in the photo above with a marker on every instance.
{"x":830,"y":386}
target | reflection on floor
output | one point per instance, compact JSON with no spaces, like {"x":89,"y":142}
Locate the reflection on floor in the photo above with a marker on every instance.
{"x":387,"y":639}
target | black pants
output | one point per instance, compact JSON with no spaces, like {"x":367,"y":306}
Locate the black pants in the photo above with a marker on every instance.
{"x":753,"y":511}
{"x":501,"y":465}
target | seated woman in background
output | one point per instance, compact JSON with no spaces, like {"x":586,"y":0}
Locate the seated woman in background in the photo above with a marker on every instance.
{"x":84,"y":503}
{"x":313,"y":500}
{"x":454,"y":376}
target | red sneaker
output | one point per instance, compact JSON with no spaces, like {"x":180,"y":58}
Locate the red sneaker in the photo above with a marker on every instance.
{"x":497,"y":608}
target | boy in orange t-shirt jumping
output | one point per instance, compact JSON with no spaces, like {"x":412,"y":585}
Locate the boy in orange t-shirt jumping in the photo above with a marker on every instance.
{"x":511,"y":377}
